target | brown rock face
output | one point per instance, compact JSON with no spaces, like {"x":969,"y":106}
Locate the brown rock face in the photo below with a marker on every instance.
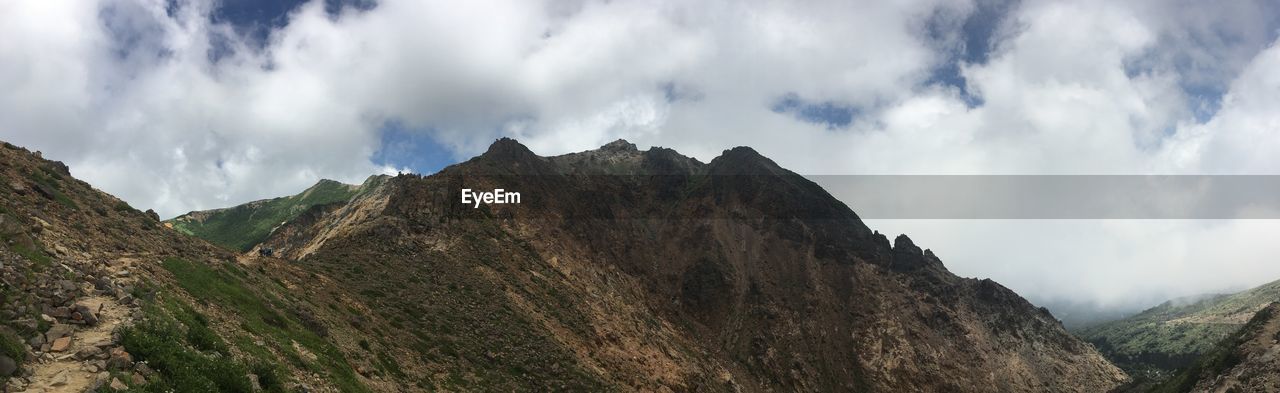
{"x":648,"y":270}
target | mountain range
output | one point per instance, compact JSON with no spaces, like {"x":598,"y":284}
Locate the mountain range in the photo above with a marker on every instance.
{"x":621,"y":269}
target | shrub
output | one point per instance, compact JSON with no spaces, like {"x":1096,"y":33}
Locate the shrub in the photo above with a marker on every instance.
{"x":162,"y":345}
{"x":11,"y":346}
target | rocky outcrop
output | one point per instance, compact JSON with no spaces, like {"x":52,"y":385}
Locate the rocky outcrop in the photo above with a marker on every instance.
{"x":648,"y":270}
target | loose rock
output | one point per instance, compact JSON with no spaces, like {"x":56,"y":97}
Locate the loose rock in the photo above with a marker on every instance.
{"x":59,"y":379}
{"x":86,"y":314}
{"x":88,"y":352}
{"x":119,"y":359}
{"x":60,"y":344}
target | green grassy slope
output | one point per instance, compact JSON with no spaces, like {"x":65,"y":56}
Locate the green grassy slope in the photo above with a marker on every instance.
{"x":1173,"y":335}
{"x":244,"y":226}
{"x":1220,"y":358}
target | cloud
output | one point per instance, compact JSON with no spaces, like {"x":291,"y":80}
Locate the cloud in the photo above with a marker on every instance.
{"x":159,"y":103}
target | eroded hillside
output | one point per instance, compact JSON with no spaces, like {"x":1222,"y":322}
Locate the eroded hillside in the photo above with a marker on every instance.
{"x":98,"y":295}
{"x":650,"y":270}
{"x":620,"y":270}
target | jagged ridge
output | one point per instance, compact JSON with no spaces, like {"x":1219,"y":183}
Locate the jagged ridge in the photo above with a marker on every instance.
{"x":651,"y":270}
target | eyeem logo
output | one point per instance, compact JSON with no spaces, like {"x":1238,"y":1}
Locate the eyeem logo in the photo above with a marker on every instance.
{"x":497,"y":196}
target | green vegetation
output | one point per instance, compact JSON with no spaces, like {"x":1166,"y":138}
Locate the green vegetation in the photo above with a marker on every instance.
{"x":244,"y":226}
{"x":11,"y":345}
{"x":261,"y":317}
{"x":441,"y":309}
{"x":1222,"y":357}
{"x":22,"y":245}
{"x":50,"y":181}
{"x":36,"y":255}
{"x":164,"y":341}
{"x":1171,"y":336}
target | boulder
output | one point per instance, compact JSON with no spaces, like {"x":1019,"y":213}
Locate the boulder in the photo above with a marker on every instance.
{"x":60,"y":312}
{"x":88,"y":352}
{"x":143,"y":369}
{"x":43,"y":191}
{"x":103,"y":284}
{"x":116,"y":384}
{"x":60,"y":344}
{"x":119,"y":359}
{"x":66,"y":285}
{"x":58,"y":331}
{"x":59,"y":379}
{"x":86,"y":314}
{"x":7,"y":366}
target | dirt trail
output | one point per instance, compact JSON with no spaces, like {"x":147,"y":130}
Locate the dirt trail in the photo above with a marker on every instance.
{"x":61,"y":371}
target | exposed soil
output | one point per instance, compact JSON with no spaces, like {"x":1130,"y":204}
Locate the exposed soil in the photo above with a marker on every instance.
{"x":62,"y":372}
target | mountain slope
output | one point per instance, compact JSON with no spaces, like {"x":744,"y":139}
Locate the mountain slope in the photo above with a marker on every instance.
{"x":1173,"y":335}
{"x":1247,"y":360}
{"x":649,"y":270}
{"x":244,"y":226}
{"x":97,"y":294}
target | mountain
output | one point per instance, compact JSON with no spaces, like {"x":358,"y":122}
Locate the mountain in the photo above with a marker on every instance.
{"x":241,"y":227}
{"x":95,"y":294}
{"x":650,"y":270}
{"x":619,"y":269}
{"x":1244,"y":361}
{"x":1157,"y":342}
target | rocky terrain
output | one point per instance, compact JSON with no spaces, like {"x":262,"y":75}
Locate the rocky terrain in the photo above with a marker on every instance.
{"x":650,"y":270}
{"x":1247,"y":360}
{"x":620,"y":270}
{"x":95,"y":295}
{"x":1156,"y":343}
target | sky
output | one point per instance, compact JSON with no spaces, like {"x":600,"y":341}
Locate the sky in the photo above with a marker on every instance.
{"x":180,"y":105}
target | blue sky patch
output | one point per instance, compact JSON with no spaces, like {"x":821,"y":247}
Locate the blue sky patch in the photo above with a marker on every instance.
{"x":401,"y":147}
{"x":255,"y":19}
{"x":973,"y":45}
{"x":833,"y":115}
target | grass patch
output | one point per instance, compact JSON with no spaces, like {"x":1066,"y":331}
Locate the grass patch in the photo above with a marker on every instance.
{"x":242,"y":227}
{"x":215,"y":286}
{"x":163,"y":344}
{"x":39,"y":258}
{"x":12,"y":346}
{"x":199,"y":335}
{"x":390,"y":365}
{"x":54,"y":188}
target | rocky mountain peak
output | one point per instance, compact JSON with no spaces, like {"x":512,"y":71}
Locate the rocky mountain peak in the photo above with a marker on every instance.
{"x":903,"y":244}
{"x":743,"y":160}
{"x":620,"y":145}
{"x":507,"y":148}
